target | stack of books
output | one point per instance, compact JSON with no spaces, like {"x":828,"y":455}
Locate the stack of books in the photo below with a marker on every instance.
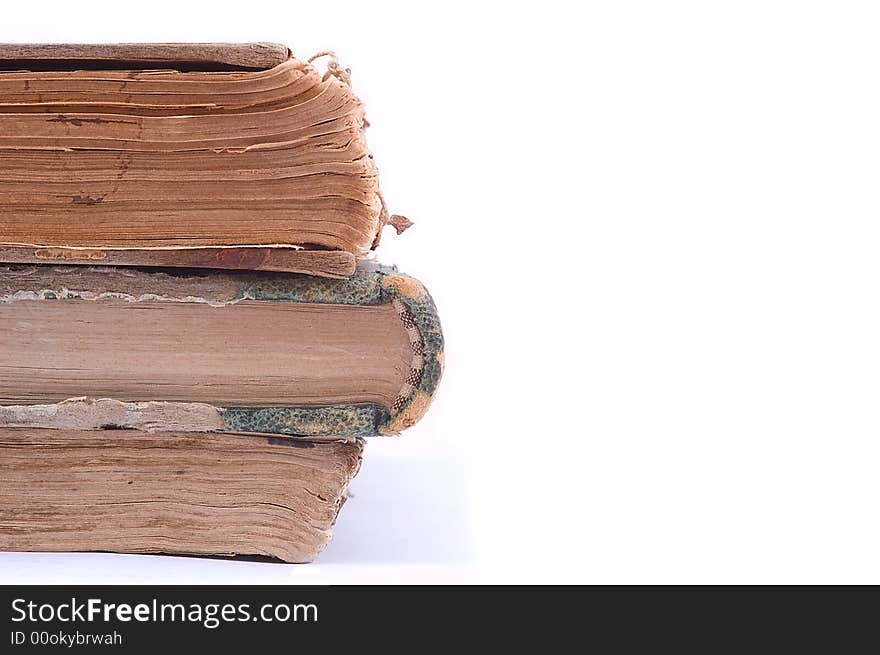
{"x":194,"y":345}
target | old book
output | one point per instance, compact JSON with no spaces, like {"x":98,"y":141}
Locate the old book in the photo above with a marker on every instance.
{"x":234,"y":156}
{"x":138,"y":492}
{"x":207,"y":351}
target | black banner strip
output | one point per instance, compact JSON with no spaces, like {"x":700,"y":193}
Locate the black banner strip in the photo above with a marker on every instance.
{"x":144,"y":618}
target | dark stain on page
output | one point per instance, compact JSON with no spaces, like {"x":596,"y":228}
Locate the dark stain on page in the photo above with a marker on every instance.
{"x":87,"y":200}
{"x":79,"y":122}
{"x":276,"y":441}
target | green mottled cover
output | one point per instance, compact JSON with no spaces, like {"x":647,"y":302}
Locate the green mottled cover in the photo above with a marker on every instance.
{"x":370,"y":285}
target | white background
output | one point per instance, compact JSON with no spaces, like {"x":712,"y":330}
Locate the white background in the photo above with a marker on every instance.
{"x":651,"y":229}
